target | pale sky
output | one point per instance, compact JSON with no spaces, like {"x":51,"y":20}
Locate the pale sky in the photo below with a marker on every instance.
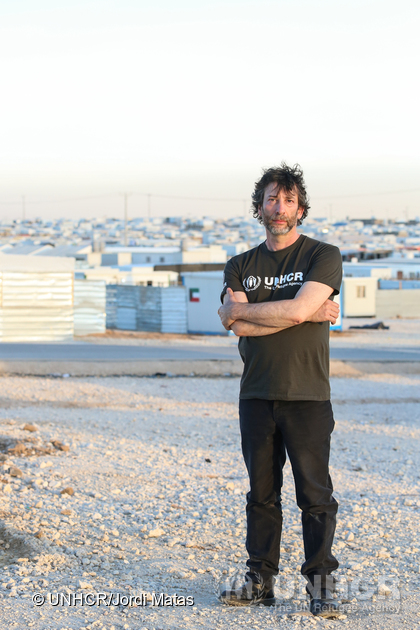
{"x":192,"y":98}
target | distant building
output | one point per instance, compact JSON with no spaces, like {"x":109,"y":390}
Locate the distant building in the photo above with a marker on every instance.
{"x":130,"y":275}
{"x":163,"y":255}
{"x":360,"y":270}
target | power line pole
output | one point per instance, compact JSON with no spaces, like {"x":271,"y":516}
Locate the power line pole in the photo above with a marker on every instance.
{"x":126,"y":196}
{"x":23,"y":208}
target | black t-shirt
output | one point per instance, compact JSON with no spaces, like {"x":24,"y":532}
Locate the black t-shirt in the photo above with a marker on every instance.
{"x":292,"y":364}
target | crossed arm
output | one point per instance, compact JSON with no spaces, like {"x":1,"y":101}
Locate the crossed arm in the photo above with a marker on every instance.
{"x":311,"y":304}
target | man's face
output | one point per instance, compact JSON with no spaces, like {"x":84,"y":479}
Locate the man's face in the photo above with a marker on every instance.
{"x":280,"y":210}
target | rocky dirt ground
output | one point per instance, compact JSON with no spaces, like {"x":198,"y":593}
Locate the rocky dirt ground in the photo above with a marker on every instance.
{"x":133,"y":488}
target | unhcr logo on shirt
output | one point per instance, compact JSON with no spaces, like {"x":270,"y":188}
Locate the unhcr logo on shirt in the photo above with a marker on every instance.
{"x":289,"y":279}
{"x":251,"y":283}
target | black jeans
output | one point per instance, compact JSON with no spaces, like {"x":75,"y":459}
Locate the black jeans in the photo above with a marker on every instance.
{"x":303,"y":429}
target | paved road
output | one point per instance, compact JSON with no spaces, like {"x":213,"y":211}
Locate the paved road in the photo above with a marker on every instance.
{"x":396,"y":354}
{"x":97,"y":352}
{"x":108,"y":353}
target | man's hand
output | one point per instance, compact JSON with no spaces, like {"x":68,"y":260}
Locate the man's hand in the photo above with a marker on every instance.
{"x":328,"y":312}
{"x":225,"y":311}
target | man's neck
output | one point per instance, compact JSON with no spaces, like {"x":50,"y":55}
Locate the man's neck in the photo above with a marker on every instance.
{"x":276,"y":242}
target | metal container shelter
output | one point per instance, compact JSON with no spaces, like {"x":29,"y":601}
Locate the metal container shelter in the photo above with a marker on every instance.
{"x":89,"y":307}
{"x":203,"y":301}
{"x":36,"y":298}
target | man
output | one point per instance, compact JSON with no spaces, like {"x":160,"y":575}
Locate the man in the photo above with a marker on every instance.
{"x":277,"y":300}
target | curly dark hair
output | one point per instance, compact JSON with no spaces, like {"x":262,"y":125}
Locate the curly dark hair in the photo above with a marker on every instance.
{"x":286,"y":177}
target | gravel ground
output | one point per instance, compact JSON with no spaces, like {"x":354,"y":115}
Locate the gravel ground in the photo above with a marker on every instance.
{"x":401,"y":332}
{"x":134,"y":488}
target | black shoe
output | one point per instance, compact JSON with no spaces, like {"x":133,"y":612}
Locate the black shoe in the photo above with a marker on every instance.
{"x":322,"y":603}
{"x":253,"y":591}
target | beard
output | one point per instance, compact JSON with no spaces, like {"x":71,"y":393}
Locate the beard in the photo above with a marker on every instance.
{"x":276,"y":230}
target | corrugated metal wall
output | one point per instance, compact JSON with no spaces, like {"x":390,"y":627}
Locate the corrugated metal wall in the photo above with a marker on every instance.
{"x":111,"y":306}
{"x":89,"y":307}
{"x":151,"y":309}
{"x":174,"y":310}
{"x":36,"y":306}
{"x":127,"y":299}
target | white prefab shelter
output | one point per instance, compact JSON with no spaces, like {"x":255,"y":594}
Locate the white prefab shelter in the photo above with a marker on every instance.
{"x":36,"y":298}
{"x":359,"y":297}
{"x":203,"y":301}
